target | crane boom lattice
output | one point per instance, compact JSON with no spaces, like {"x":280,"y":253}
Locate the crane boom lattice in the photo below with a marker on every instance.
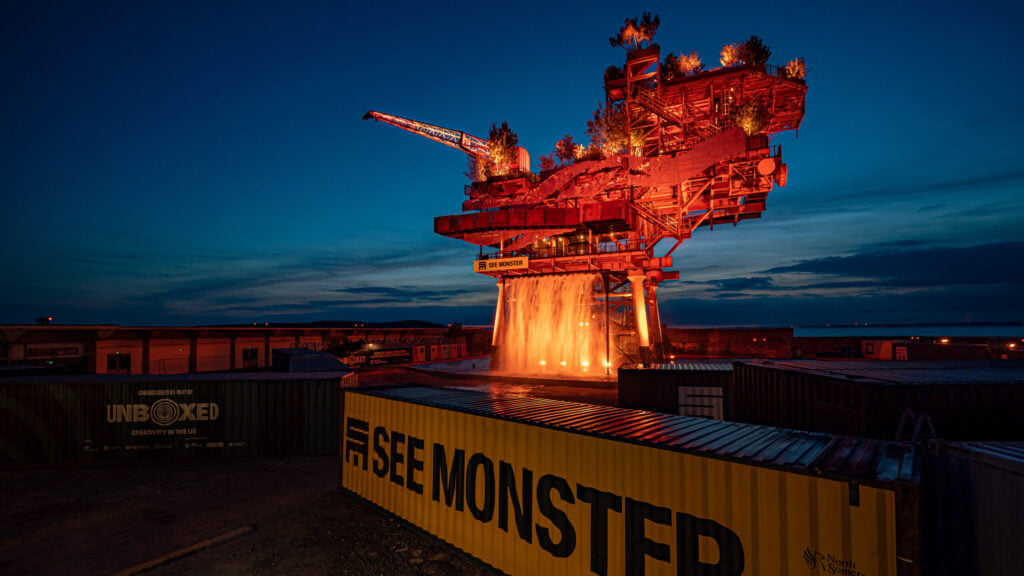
{"x":456,"y":139}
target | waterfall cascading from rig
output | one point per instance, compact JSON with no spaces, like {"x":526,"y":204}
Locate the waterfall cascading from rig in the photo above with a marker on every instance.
{"x":554,"y":325}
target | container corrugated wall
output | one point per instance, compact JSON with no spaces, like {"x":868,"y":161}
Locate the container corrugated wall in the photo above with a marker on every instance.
{"x":124,"y":418}
{"x":974,"y":496}
{"x":775,"y":396}
{"x":964,"y":401}
{"x":533,"y":499}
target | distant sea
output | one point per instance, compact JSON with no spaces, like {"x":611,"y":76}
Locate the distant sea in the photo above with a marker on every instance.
{"x":926,"y":330}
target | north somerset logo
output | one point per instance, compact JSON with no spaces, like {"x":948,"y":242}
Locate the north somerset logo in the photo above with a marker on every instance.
{"x":812,"y":558}
{"x":830,"y":563}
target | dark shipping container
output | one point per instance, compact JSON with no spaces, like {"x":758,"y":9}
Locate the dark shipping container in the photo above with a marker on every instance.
{"x":105,"y":418}
{"x":685,"y":388}
{"x":966,"y":400}
{"x":973,"y":508}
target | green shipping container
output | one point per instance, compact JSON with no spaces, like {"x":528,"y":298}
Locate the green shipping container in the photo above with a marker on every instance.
{"x":59,"y":419}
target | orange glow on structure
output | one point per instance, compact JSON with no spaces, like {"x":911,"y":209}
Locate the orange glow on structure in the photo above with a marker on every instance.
{"x":594,"y":226}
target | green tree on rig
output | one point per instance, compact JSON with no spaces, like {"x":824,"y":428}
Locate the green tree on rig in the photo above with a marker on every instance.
{"x":752,"y":117}
{"x":678,"y":66}
{"x":501,"y":147}
{"x":565,"y":150}
{"x":636,"y":31}
{"x":501,"y":143}
{"x":607,"y":130}
{"x":479,"y":169}
{"x":670,"y":67}
{"x":755,"y":51}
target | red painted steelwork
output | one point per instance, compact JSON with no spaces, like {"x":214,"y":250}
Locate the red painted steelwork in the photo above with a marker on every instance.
{"x":697,"y":154}
{"x":692,"y":167}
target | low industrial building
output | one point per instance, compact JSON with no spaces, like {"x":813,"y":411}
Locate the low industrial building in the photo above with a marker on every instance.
{"x":705,"y":343}
{"x":110,"y":349}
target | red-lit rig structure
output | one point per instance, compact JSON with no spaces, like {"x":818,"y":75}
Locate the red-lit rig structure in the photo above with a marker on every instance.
{"x":691,"y":161}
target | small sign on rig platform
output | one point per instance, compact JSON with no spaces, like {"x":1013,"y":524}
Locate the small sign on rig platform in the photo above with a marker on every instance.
{"x":499,"y":264}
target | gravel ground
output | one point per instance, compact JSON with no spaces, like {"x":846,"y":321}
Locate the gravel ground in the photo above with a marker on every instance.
{"x":287,"y":515}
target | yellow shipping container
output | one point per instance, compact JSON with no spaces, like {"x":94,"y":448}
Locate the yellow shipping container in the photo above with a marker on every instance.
{"x":539,"y":498}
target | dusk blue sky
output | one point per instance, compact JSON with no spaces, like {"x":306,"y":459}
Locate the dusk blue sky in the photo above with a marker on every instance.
{"x":166,"y":163}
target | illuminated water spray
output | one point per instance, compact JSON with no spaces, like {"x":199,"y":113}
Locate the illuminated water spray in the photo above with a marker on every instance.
{"x":554,"y":325}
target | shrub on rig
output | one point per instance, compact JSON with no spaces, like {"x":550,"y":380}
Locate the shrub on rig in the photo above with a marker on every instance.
{"x":636,"y":31}
{"x":479,"y":169}
{"x":730,"y":55}
{"x":690,"y":63}
{"x":751,"y":117}
{"x":795,"y":69}
{"x":678,"y":66}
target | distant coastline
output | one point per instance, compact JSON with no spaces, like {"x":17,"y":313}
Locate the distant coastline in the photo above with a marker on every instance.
{"x":964,"y":330}
{"x":972,"y":330}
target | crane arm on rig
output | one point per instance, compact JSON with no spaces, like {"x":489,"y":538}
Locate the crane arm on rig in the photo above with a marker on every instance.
{"x":456,"y":139}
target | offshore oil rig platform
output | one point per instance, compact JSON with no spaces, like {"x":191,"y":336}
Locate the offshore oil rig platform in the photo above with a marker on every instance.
{"x":580,"y":247}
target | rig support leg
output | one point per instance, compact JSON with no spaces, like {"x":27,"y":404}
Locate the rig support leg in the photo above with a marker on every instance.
{"x":657,"y":339}
{"x":607,"y":322}
{"x":640,"y":305}
{"x":499,"y":314}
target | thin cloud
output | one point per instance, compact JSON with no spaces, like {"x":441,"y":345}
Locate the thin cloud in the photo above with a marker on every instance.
{"x":278,"y":284}
{"x":932,"y":305}
{"x":841,"y":284}
{"x":902,"y":244}
{"x":743,"y":284}
{"x":960,"y":191}
{"x":923,"y":267}
{"x":403,"y":293}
